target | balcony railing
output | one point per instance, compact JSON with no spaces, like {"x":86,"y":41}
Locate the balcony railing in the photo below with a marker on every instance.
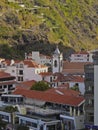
{"x":89,"y":106}
{"x":89,"y":92}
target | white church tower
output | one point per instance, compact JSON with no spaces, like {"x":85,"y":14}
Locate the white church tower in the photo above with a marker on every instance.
{"x":57,"y":61}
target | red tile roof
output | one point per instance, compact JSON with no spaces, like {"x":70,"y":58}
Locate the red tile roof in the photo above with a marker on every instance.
{"x":70,"y":100}
{"x":63,"y":90}
{"x":33,"y":64}
{"x":69,"y":78}
{"x":65,"y":85}
{"x":27,"y":84}
{"x":7,"y":83}
{"x":46,"y":73}
{"x":82,"y":52}
{"x":5,"y":75}
{"x":29,"y":63}
{"x":73,"y":67}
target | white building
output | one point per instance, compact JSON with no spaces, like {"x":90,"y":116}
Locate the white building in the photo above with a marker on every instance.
{"x":39,"y":58}
{"x":7,"y":83}
{"x":81,"y":56}
{"x":23,"y":70}
{"x":57,"y":61}
{"x":59,"y":80}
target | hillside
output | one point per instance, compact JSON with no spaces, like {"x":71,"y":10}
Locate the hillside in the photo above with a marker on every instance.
{"x":31,"y":24}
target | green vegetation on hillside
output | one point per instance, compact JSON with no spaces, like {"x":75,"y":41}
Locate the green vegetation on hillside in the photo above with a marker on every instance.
{"x":74,"y":23}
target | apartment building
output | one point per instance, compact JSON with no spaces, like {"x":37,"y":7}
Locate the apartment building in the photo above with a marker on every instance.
{"x":7,"y":83}
{"x":23,"y":70}
{"x":91,"y":94}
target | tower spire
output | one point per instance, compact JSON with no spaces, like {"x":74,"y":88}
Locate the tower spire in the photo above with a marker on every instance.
{"x":57,"y":51}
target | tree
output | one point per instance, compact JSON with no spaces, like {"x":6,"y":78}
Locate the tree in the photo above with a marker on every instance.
{"x":40,"y":86}
{"x":10,"y":109}
{"x":22,"y":127}
{"x":75,"y":87}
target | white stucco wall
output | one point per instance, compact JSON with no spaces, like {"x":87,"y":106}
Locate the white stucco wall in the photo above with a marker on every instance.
{"x":35,"y":56}
{"x":34,"y":102}
{"x":81,"y":58}
{"x":11,"y":70}
{"x":29,"y":74}
{"x":79,"y":120}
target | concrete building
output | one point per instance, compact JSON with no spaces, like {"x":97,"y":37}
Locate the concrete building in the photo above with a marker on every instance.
{"x":89,"y":94}
{"x":91,"y":85}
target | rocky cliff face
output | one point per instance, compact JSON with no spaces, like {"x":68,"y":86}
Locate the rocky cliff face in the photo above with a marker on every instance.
{"x":72,"y":23}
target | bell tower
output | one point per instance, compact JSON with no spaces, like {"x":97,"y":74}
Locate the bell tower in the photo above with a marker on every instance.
{"x":57,"y":61}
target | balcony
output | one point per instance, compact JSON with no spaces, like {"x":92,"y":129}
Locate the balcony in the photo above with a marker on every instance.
{"x":1,"y":90}
{"x":89,"y":107}
{"x":12,"y":88}
{"x":89,"y":93}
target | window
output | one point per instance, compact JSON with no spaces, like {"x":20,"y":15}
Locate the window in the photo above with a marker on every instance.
{"x":43,"y":78}
{"x":5,"y":86}
{"x":21,"y":72}
{"x":21,"y":65}
{"x":20,"y":78}
{"x":91,"y":117}
{"x":89,"y":76}
{"x":34,"y":125}
{"x":55,"y":63}
{"x":13,"y":71}
{"x":3,"y":65}
{"x":10,"y":86}
{"x":50,"y":79}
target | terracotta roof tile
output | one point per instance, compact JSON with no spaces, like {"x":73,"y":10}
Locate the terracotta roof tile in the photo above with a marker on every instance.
{"x":82,"y":52}
{"x":27,"y":84}
{"x":29,"y":63}
{"x":63,"y":90}
{"x":53,"y":98}
{"x":5,"y":75}
{"x":74,"y":67}
{"x":69,"y":78}
{"x":46,"y":73}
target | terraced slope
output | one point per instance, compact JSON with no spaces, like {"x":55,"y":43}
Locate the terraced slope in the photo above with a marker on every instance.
{"x":73,"y":23}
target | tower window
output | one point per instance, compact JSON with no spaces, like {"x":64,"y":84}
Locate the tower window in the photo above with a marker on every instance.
{"x":55,"y":63}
